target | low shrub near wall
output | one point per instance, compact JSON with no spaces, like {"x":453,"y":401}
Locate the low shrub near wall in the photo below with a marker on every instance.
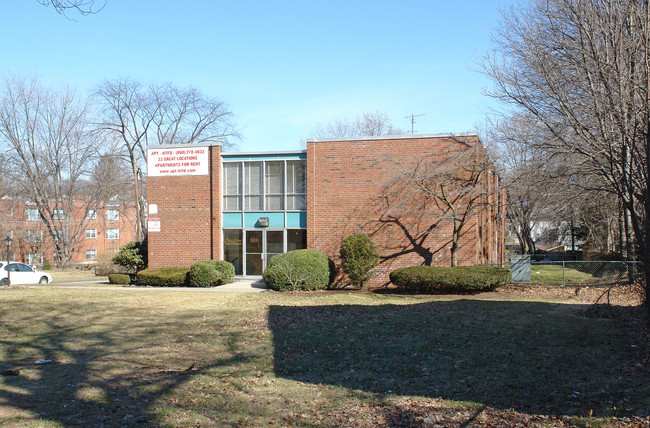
{"x":119,"y":278}
{"x":298,"y":270}
{"x":459,"y":279}
{"x":209,"y":273}
{"x":164,"y":277}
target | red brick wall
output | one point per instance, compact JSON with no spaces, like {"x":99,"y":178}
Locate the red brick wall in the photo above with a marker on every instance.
{"x":346,"y":193}
{"x":189,"y":222}
{"x":13,"y":218}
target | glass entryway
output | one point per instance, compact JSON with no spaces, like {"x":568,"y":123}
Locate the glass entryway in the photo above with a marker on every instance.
{"x":249,"y":250}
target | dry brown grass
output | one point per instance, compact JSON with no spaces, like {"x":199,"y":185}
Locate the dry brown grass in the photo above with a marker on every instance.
{"x":71,"y":274}
{"x":145,"y":357}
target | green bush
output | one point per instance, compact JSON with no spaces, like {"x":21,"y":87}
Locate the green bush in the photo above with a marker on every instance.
{"x":298,"y":270}
{"x":359,"y":257}
{"x":227,"y":270}
{"x":47,"y":265}
{"x":132,"y":256}
{"x":119,"y":278}
{"x":209,"y":273}
{"x":164,"y":277}
{"x":458,"y":279}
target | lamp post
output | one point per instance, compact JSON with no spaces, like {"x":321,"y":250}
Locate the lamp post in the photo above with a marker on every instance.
{"x":8,"y":241}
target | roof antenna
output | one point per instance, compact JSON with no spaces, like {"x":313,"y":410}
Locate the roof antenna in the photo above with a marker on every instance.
{"x":412,"y":117}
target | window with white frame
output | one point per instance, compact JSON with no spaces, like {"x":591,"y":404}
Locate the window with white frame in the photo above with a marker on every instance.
{"x":265,"y":185}
{"x":91,"y":254}
{"x":91,"y":215}
{"x":112,"y":233}
{"x":232,"y":188}
{"x":34,"y":236}
{"x":253,"y":186}
{"x":296,"y":185}
{"x":91,"y":233}
{"x":58,"y":214}
{"x":33,"y":214}
{"x":112,"y":214}
{"x":274,"y":186}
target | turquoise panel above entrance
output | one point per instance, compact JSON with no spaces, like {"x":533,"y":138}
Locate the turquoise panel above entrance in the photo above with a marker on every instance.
{"x":276,"y":219}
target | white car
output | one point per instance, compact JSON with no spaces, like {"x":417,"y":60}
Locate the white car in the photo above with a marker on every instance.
{"x":20,"y":273}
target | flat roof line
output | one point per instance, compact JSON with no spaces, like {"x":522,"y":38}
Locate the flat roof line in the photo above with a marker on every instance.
{"x":395,"y":137}
{"x":287,"y":152}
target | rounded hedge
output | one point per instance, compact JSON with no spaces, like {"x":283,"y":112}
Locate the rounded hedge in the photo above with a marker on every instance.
{"x":119,"y":278}
{"x":164,"y":277}
{"x":227,"y":270}
{"x":458,"y":279}
{"x":298,"y":270}
{"x":210,"y":273}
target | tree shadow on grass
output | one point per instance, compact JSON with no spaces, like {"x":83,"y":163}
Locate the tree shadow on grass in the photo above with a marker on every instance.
{"x":528,"y":356}
{"x":99,"y":373}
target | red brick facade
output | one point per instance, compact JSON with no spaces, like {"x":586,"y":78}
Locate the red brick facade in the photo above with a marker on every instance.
{"x":189,"y":209}
{"x":349,"y":184}
{"x":348,"y":191}
{"x":100,"y":234}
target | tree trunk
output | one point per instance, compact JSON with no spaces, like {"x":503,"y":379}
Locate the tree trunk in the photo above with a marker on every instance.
{"x":137,"y":199}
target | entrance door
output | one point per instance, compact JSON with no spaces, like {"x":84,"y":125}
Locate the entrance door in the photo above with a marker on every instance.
{"x":257,"y":249}
{"x":254,"y":252}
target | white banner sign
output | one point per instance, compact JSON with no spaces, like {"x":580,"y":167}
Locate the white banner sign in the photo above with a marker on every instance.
{"x":178,"y":161}
{"x":153,"y":225}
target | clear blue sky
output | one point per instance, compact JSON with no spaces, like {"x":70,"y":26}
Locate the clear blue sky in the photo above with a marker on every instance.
{"x":282,"y":66}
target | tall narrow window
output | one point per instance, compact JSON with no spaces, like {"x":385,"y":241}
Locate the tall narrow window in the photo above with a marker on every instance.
{"x":232,"y":188}
{"x":253,"y":186}
{"x":274,"y":185}
{"x":296,"y":185}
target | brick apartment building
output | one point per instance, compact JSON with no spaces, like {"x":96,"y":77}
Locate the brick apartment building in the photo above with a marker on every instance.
{"x":247,"y":207}
{"x":105,"y":230}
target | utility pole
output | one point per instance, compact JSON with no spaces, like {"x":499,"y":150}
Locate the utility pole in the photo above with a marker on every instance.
{"x":412,"y":117}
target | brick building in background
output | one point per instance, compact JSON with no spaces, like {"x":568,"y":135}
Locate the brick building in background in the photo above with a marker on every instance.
{"x":106,"y":229}
{"x":247,"y":207}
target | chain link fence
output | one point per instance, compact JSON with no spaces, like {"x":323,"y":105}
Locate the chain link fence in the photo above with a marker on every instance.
{"x":584,"y":273}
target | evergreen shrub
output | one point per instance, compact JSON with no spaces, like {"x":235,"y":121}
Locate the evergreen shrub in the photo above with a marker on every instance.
{"x":298,"y":270}
{"x":458,"y":279}
{"x":210,"y":273}
{"x":119,"y":278}
{"x":164,"y":277}
{"x":359,"y":257}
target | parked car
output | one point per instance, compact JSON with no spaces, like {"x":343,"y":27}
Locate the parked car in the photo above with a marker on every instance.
{"x":20,"y":273}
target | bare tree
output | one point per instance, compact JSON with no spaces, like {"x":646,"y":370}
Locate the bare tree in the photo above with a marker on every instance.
{"x":83,"y":7}
{"x":433,"y":193}
{"x":138,"y":115}
{"x":50,"y":156}
{"x":368,"y":124}
{"x":581,"y":68}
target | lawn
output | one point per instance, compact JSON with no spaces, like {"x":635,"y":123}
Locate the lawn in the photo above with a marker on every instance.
{"x":72,"y":274}
{"x":553,"y":274}
{"x":121,"y":358}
